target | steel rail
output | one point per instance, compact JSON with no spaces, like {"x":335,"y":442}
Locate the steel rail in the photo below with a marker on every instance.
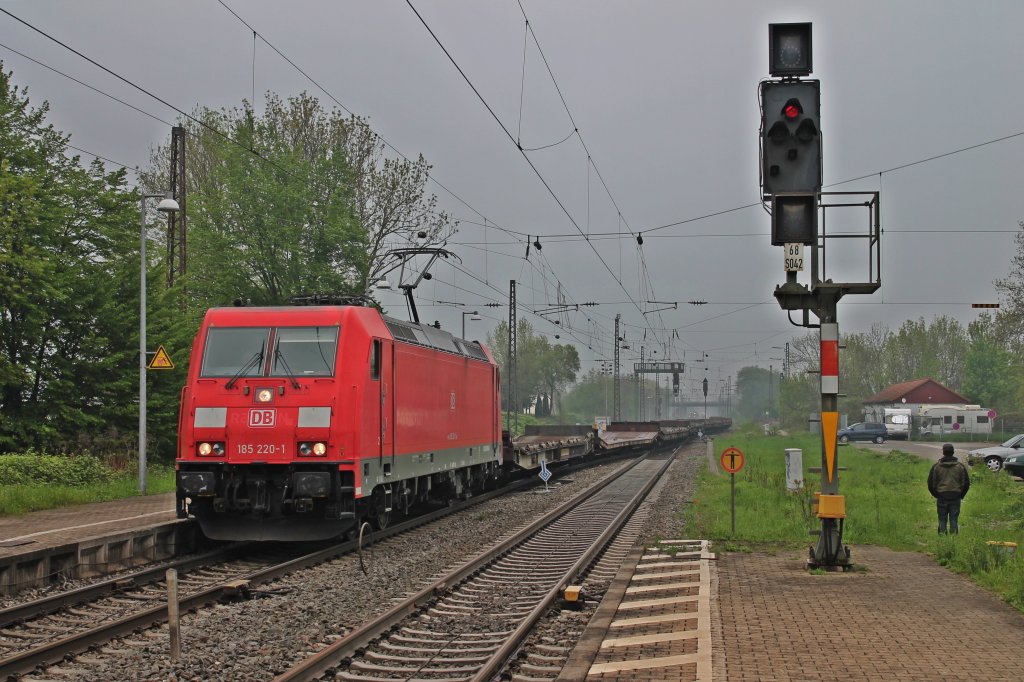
{"x":500,"y":657}
{"x":55,"y":651}
{"x":20,"y":613}
{"x":329,"y":657}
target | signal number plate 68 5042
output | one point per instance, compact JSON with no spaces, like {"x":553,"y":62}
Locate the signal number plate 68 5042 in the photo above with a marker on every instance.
{"x":794,"y":257}
{"x":261,"y":449}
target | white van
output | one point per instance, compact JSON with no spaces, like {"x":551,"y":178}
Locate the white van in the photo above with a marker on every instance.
{"x":897,"y":422}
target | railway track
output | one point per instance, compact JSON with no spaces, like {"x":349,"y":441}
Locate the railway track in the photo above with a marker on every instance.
{"x":469,"y":623}
{"x":49,"y":630}
{"x":547,"y":649}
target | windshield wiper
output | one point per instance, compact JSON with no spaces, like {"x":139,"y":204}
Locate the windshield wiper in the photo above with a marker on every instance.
{"x":290,"y":374}
{"x":256,"y":359}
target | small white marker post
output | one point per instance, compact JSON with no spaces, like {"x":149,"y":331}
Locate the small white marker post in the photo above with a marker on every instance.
{"x":172,"y":614}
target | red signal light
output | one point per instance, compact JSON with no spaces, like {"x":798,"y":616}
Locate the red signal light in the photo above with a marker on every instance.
{"x":792,"y":109}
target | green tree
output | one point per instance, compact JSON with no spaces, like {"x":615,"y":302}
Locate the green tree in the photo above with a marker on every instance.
{"x":1009,"y":320}
{"x":318,"y":216}
{"x":591,"y":396}
{"x":267,"y":230}
{"x":990,"y":377}
{"x":752,"y":385}
{"x":921,"y":350}
{"x":799,"y":397}
{"x":68,"y":259}
{"x":873,"y":360}
{"x":558,"y":369}
{"x":542,"y":369}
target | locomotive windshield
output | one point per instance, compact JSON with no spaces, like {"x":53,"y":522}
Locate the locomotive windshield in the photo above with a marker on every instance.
{"x":305,"y":351}
{"x":231,"y":350}
{"x":297,"y":351}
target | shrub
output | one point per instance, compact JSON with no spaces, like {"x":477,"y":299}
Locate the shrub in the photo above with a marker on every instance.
{"x":31,"y":468}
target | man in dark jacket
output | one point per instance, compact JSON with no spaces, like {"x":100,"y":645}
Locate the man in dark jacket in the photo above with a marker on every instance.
{"x":948,"y":483}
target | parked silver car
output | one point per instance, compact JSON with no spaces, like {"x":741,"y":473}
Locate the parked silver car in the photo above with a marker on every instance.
{"x":993,"y":456}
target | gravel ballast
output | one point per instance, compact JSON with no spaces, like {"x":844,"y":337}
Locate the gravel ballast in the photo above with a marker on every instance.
{"x":259,"y":638}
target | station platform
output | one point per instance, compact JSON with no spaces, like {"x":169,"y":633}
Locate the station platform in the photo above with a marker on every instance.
{"x":46,"y":547}
{"x":746,"y":617}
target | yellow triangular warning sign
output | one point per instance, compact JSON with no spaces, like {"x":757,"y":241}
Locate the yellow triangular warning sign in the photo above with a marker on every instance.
{"x":161,"y":360}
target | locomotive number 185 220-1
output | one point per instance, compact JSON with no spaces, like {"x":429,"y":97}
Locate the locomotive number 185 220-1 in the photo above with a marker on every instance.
{"x":261,"y":449}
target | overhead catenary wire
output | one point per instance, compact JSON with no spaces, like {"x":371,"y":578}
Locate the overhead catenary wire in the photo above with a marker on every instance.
{"x":149,"y":94}
{"x":849,"y":180}
{"x":591,"y":164}
{"x":146,"y":92}
{"x":487,"y":222}
{"x":103,"y":158}
{"x":86,"y":85}
{"x":512,"y":139}
{"x":655,"y":326}
{"x":338,"y":102}
{"x":179,"y":110}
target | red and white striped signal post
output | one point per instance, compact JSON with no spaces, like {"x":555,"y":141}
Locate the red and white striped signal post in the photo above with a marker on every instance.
{"x":831,"y":505}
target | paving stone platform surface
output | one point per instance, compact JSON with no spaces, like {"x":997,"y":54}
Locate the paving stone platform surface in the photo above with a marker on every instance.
{"x":903,"y":617}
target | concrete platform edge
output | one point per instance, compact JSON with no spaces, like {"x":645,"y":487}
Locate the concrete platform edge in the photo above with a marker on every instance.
{"x":97,"y":556}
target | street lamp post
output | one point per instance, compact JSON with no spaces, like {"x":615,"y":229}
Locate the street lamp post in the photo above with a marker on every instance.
{"x":475,"y":316}
{"x":166,"y":205}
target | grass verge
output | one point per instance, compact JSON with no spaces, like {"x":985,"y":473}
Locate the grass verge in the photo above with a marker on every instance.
{"x":19,"y":499}
{"x":887,"y":504}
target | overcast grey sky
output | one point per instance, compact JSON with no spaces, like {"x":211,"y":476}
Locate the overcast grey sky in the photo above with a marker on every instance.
{"x":664,"y":95}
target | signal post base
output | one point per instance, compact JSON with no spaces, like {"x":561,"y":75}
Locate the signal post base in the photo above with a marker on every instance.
{"x":829,"y":552}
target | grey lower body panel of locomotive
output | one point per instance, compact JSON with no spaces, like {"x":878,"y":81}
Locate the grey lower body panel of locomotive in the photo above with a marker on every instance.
{"x":317,"y":500}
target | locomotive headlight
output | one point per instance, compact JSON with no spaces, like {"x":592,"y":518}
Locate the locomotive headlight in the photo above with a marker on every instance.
{"x":307,"y":449}
{"x":207,"y":449}
{"x":264,"y":395}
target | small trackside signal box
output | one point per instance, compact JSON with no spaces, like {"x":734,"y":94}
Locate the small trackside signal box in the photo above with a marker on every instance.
{"x":831,"y":506}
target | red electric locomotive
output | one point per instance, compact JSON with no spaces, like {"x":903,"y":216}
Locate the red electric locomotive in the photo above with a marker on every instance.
{"x":299,"y":422}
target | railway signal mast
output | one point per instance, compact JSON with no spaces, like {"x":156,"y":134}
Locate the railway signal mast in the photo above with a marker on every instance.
{"x":791,"y":182}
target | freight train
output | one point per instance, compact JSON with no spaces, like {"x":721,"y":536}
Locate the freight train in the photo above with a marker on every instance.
{"x":301,"y":422}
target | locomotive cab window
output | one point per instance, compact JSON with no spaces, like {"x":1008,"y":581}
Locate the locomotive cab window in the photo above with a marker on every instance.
{"x":304,"y":351}
{"x":234,"y":350}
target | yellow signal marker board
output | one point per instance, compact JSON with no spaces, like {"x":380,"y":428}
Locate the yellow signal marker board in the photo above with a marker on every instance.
{"x":829,"y":427}
{"x":161,"y":360}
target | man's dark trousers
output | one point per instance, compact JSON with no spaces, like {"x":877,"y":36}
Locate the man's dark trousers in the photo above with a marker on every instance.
{"x":948,"y":508}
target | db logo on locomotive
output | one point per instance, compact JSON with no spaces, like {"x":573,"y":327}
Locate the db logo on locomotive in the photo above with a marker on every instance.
{"x":262,"y":417}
